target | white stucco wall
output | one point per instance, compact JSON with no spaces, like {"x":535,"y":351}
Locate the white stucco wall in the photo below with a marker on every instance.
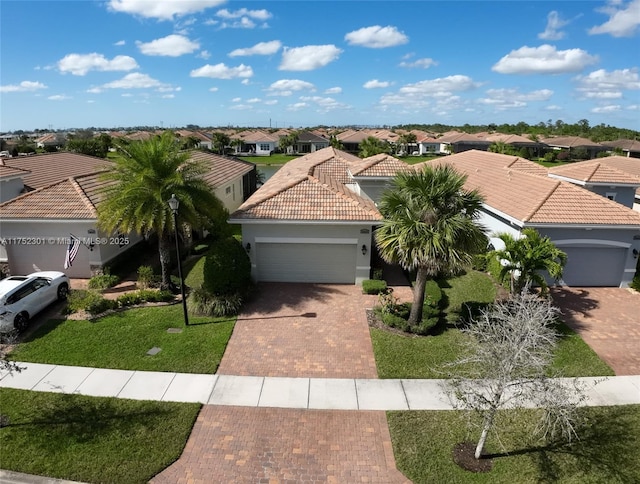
{"x":230,"y":194}
{"x":10,"y":188}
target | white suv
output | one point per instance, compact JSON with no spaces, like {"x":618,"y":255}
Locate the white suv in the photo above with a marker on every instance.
{"x":22,"y":297}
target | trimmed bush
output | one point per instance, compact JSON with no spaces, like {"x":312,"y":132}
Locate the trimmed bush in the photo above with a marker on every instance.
{"x":373,"y":286}
{"x":80,"y":300}
{"x":103,"y":281}
{"x":146,"y":278}
{"x":203,"y":303}
{"x":227,"y":268}
{"x":101,"y":305}
{"x":142,"y":296}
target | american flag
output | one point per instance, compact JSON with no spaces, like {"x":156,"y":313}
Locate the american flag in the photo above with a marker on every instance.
{"x":72,"y":251}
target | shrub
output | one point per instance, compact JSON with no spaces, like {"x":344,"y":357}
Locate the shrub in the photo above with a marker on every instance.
{"x":146,"y":278}
{"x":227,"y":269}
{"x":563,"y":155}
{"x":373,"y":286}
{"x":101,"y":305}
{"x":80,"y":299}
{"x":201,"y":302}
{"x":377,"y":274}
{"x":479,"y":262}
{"x":142,"y":296}
{"x":550,"y":156}
{"x":103,"y":281}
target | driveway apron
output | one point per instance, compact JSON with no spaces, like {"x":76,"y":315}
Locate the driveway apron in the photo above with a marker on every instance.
{"x":293,"y":330}
{"x":303,"y":330}
{"x":608,"y":320}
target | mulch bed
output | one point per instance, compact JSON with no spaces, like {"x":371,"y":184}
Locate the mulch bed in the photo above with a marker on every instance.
{"x":464,"y":456}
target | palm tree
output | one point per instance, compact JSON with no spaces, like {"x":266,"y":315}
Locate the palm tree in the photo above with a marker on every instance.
{"x":220,"y":142}
{"x":335,"y":142}
{"x":430,"y":225}
{"x":141,"y":182}
{"x":371,"y":146}
{"x":523,"y":259}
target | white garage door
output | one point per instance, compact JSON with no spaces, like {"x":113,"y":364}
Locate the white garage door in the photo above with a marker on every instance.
{"x":25,"y":259}
{"x":594,"y":266}
{"x":329,"y":263}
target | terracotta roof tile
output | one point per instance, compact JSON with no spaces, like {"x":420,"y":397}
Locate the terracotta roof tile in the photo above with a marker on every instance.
{"x":569,"y":141}
{"x":222,"y":169}
{"x":531,"y":198}
{"x":381,"y":165}
{"x":615,"y":169}
{"x":12,"y":172}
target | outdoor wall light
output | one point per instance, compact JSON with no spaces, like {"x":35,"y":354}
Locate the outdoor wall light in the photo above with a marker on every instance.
{"x":248,"y":247}
{"x":364,"y":249}
{"x":635,"y":253}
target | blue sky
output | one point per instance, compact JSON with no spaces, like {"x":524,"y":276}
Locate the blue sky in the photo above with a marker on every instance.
{"x":74,"y":64}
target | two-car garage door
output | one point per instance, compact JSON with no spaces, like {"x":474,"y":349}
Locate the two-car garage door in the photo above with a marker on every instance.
{"x":306,"y":262}
{"x":594,"y":266}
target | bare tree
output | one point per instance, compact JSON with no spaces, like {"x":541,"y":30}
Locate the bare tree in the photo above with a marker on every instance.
{"x":509,"y":353}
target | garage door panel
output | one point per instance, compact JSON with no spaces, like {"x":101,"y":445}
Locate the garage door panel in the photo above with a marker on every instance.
{"x":328,"y":263}
{"x":594,"y":266}
{"x":25,"y":259}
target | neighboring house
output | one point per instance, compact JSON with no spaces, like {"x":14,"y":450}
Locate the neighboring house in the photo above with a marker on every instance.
{"x":257,"y":143}
{"x":309,"y":143}
{"x":615,"y":177}
{"x":601,"y":237}
{"x":455,"y":142}
{"x":310,"y":222}
{"x":516,"y":141}
{"x":573,"y":144}
{"x":11,"y":182}
{"x":351,"y":140}
{"x":427,"y":144}
{"x":50,"y":139}
{"x":46,"y":216}
{"x":630,"y":147}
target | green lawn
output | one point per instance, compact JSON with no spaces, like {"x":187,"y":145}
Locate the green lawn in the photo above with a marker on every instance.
{"x":90,"y":439}
{"x":275,"y":159}
{"x":121,"y":341}
{"x":607,"y":451}
{"x":399,"y":356}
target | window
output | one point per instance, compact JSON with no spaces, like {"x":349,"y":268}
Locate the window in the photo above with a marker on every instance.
{"x":265,"y":147}
{"x":227,"y":190}
{"x":611,"y":196}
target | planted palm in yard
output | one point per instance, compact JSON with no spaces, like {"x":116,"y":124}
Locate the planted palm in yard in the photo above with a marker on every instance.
{"x":430,"y":225}
{"x":143,"y":180}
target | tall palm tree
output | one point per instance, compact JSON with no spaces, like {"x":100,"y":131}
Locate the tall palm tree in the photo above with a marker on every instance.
{"x":140,"y":184}
{"x":430,"y":224}
{"x":523,"y":259}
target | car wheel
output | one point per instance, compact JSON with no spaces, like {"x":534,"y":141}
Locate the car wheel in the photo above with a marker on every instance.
{"x":63,"y":291}
{"x":21,"y":322}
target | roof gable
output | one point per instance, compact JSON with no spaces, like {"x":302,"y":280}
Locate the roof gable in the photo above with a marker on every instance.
{"x":381,"y":165}
{"x":595,"y":172}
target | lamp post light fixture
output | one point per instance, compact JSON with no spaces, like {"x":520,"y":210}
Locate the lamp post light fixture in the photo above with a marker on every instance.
{"x":174,"y":204}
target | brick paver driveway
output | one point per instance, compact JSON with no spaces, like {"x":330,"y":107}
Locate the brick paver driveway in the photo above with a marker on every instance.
{"x":273,"y":445}
{"x":295,"y":330}
{"x":303,"y":330}
{"x":608,"y":319}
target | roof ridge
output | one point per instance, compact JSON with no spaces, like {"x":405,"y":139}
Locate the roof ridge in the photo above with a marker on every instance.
{"x":542,"y":202}
{"x":282,"y":189}
{"x":83,"y":195}
{"x":596,"y":166}
{"x":340,"y":190}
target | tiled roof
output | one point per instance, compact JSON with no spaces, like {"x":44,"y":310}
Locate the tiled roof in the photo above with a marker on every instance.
{"x":256,"y":137}
{"x":72,"y":198}
{"x":50,"y":168}
{"x":222,"y":169}
{"x":310,"y":188}
{"x":527,"y":166}
{"x":569,"y":142}
{"x":309,"y":137}
{"x":531,"y":198}
{"x":596,"y":172}
{"x":623,"y":144}
{"x":381,"y":165}
{"x":510,"y":139}
{"x":455,"y":137}
{"x":12,"y":172}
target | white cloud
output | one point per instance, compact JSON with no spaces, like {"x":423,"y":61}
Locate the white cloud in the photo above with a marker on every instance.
{"x":168,"y":96}
{"x":236,"y":100}
{"x":554,"y":24}
{"x":262,"y":48}
{"x":375,"y":83}
{"x":80,"y":64}
{"x":309,"y":57}
{"x":221,"y":71}
{"x":95,"y":90}
{"x":503,"y":99}
{"x":58,"y":97}
{"x":213,"y":89}
{"x":254,"y":100}
{"x":553,"y":107}
{"x":241,"y":107}
{"x":134,"y":80}
{"x":425,"y":63}
{"x":297,"y":106}
{"x":120,"y":43}
{"x":205,"y":54}
{"x":602,"y":84}
{"x":162,"y":10}
{"x":170,"y":46}
{"x":623,"y":19}
{"x":634,"y":107}
{"x":612,"y":108}
{"x":24,"y":86}
{"x":324,"y":104}
{"x":242,"y":18}
{"x":424,"y":94}
{"x":271,"y":102}
{"x":376,"y":37}
{"x":286,"y":87}
{"x":545,"y":59}
{"x":244,"y":82}
{"x":333,"y":90}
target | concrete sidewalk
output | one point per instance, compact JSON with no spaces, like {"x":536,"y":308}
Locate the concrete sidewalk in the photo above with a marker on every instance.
{"x":276,"y":392}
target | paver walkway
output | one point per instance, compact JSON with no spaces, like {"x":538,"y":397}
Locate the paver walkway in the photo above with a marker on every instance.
{"x":273,"y":445}
{"x":307,"y":330}
{"x":608,"y":320}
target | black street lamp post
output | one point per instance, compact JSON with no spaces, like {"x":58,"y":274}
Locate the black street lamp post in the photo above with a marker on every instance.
{"x":174,"y":203}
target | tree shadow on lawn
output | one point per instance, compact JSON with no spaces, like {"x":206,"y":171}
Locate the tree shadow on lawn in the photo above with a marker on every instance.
{"x":607,"y":448}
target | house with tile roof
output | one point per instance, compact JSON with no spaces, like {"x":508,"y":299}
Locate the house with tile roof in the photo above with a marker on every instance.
{"x":309,"y":142}
{"x":598,"y":235}
{"x":257,"y":142}
{"x":51,"y":212}
{"x":614,"y":177}
{"x":629,"y":147}
{"x":311,"y":221}
{"x":573,"y":143}
{"x":11,"y":181}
